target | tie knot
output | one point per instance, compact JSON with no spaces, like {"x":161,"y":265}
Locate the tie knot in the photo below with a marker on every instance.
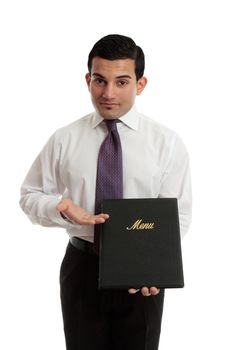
{"x":111,"y":124}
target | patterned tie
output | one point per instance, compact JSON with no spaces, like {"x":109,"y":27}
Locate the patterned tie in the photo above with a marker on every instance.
{"x":109,"y":179}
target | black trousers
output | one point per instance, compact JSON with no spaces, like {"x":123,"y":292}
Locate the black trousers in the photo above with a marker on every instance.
{"x":106,"y":319}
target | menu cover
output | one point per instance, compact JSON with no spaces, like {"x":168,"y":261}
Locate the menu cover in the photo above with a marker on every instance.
{"x":140,"y":244}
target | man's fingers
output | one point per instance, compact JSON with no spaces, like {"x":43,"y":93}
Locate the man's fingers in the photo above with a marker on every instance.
{"x":154,"y":290}
{"x":101,"y":217}
{"x":133,"y":290}
{"x":94,"y":219}
{"x":90,"y":219}
{"x":149,"y":291}
{"x":146,"y":292}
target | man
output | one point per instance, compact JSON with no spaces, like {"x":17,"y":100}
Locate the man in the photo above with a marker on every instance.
{"x":61,"y":190}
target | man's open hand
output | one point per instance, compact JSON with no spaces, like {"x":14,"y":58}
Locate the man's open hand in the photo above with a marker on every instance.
{"x":79,"y":215}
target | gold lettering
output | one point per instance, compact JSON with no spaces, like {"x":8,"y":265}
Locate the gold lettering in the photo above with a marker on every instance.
{"x":139,"y":225}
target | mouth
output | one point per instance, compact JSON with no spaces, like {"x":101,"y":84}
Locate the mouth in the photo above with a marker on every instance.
{"x":109,"y":104}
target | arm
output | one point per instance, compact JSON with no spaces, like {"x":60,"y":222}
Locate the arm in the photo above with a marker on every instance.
{"x":42,"y":188}
{"x":42,"y":191}
{"x":176,"y":183}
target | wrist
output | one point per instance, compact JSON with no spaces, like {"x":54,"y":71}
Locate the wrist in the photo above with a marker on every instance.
{"x":63,"y":215}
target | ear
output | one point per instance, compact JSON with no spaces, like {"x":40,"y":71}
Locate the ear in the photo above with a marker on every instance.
{"x":88,"y":79}
{"x":141,"y":83}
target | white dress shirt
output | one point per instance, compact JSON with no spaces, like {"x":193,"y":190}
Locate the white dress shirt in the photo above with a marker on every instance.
{"x":155,"y":164}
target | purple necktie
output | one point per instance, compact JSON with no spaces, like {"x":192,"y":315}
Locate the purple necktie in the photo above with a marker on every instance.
{"x":109,"y":178}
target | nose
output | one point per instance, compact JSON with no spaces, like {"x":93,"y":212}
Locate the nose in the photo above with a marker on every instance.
{"x":108,"y":92}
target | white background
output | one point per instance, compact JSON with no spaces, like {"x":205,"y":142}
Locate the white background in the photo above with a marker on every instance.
{"x":189,"y":54}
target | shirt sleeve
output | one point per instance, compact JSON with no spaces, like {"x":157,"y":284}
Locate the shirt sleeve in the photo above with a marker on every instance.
{"x":42,"y":188}
{"x":176,"y":182}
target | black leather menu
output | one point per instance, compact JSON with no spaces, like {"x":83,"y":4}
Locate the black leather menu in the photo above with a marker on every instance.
{"x":140,"y":244}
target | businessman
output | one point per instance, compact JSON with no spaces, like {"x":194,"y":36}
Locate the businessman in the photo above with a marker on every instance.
{"x":113,"y":152}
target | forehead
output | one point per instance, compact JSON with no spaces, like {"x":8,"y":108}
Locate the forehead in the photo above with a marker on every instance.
{"x":114,"y":68}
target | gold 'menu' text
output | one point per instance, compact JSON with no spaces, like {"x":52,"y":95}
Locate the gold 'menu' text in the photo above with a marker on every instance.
{"x":140,"y":225}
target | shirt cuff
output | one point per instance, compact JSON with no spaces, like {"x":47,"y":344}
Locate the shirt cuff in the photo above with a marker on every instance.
{"x":55,"y":216}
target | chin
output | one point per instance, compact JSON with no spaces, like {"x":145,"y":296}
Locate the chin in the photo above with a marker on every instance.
{"x":108,"y":115}
{"x":105,"y":116}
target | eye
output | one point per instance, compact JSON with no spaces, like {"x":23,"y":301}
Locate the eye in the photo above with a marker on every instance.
{"x":122,"y":83}
{"x":99,"y":81}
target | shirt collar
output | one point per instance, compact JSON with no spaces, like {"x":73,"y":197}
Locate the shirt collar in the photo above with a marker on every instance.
{"x":131,"y":119}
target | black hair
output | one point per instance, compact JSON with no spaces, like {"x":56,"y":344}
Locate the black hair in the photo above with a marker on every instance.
{"x":115,"y":47}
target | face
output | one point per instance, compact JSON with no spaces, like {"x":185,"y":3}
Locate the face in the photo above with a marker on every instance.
{"x":113,"y":86}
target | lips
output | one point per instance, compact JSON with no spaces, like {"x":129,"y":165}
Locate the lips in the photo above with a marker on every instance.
{"x":109,"y":104}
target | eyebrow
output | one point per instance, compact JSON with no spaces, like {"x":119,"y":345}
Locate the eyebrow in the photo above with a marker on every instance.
{"x":118,"y":77}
